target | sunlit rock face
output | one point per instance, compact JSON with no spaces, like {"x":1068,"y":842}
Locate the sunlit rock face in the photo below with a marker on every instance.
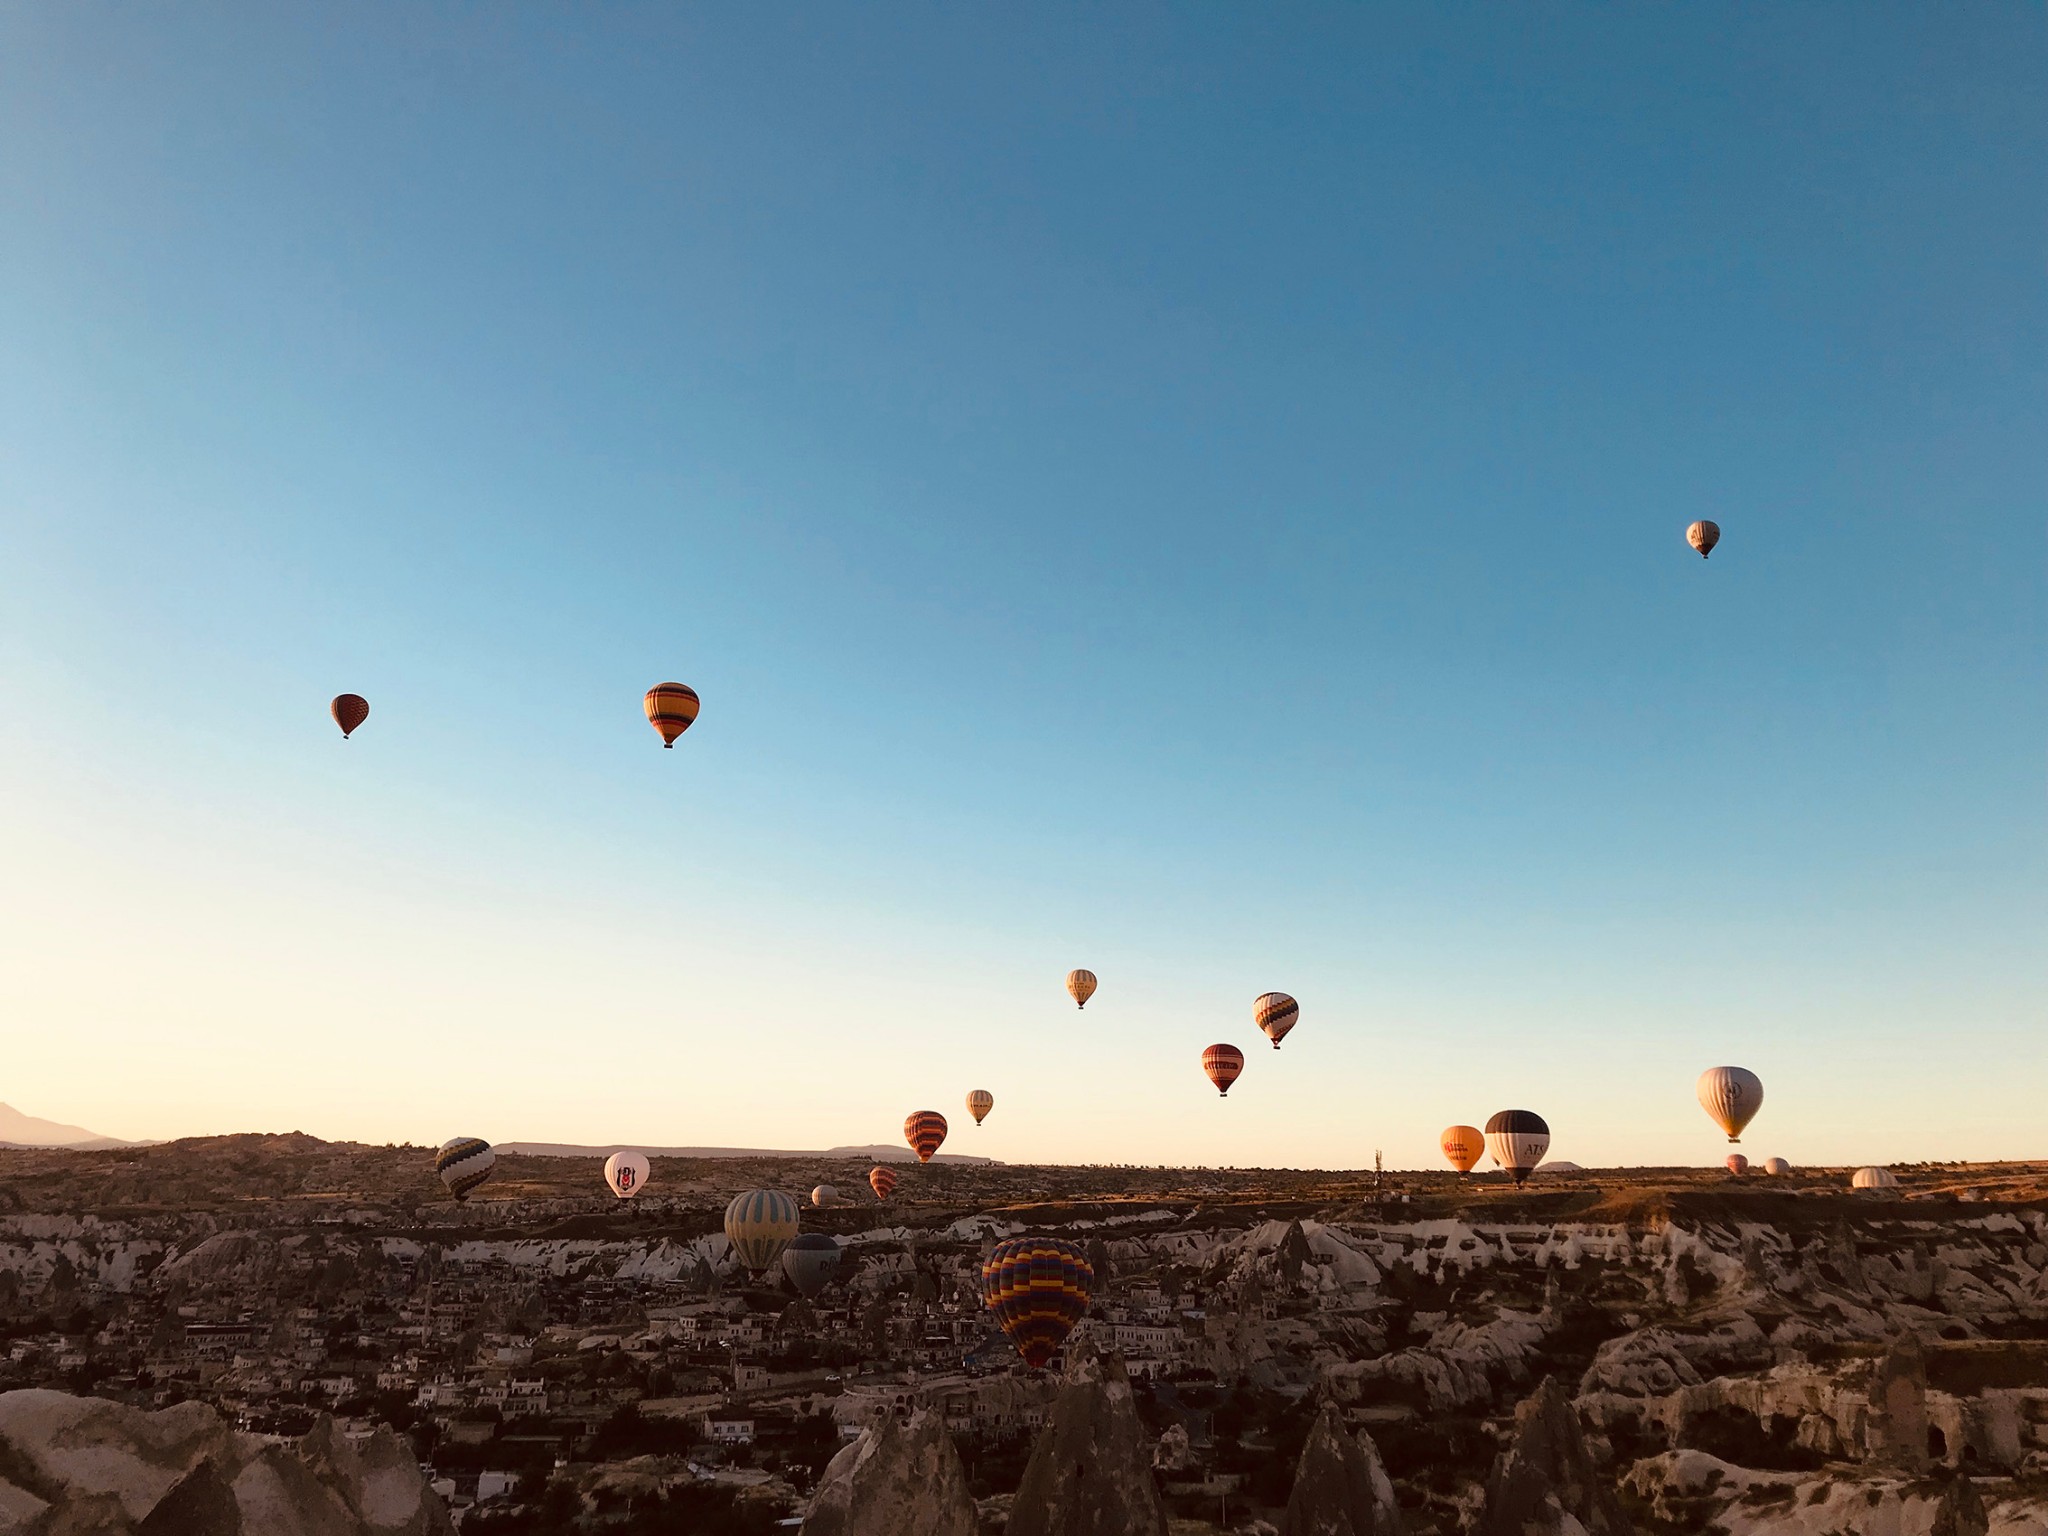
{"x":1090,"y":1471}
{"x":87,"y":1464}
{"x":894,"y":1479}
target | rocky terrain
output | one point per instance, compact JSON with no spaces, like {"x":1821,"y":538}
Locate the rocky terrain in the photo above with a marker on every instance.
{"x":273,"y":1329}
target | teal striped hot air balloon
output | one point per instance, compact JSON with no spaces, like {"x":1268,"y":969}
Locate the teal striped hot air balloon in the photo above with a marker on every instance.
{"x":759,"y":1225}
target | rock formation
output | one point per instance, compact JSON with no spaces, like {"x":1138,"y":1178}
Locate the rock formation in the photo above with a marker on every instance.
{"x":1090,"y":1473}
{"x":1545,"y":1483}
{"x":894,"y":1480}
{"x":1340,"y":1486}
{"x":84,"y":1464}
{"x":1961,"y":1512}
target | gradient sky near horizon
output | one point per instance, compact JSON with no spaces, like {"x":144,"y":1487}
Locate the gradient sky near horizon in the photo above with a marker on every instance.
{"x":1196,"y":492}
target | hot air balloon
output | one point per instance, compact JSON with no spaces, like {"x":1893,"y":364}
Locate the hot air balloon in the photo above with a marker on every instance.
{"x":349,"y":710}
{"x":1223,"y":1063}
{"x":1874,"y":1178}
{"x":1464,"y":1145}
{"x":1276,"y":1013}
{"x":810,"y":1261}
{"x":1737,"y":1163}
{"x":882,"y":1181}
{"x":671,"y":707}
{"x":626,"y":1172}
{"x":1776,"y":1166}
{"x":464,"y":1163}
{"x":979,"y":1103}
{"x":824,"y":1195}
{"x":1703,"y":536}
{"x":925,"y":1130}
{"x":1517,"y":1138}
{"x":1731,"y":1096}
{"x":759,"y":1225}
{"x":1080,"y":987}
{"x":1037,"y":1288}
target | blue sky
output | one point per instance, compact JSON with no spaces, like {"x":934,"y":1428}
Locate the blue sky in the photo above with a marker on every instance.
{"x":1195,"y":493}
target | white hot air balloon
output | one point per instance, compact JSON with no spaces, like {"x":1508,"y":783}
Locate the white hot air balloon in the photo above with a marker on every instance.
{"x":824,"y":1195}
{"x":1874,"y":1178}
{"x":1776,"y":1166}
{"x":1731,"y":1096}
{"x":626,"y":1172}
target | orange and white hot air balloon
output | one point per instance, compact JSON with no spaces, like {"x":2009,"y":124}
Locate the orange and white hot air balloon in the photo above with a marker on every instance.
{"x":1276,"y":1013}
{"x":1731,"y":1096}
{"x":349,"y":710}
{"x":1463,"y":1146}
{"x":925,"y":1130}
{"x":1080,"y":987}
{"x":671,"y":708}
{"x":979,"y":1103}
{"x":1703,"y":536}
{"x":1223,"y":1063}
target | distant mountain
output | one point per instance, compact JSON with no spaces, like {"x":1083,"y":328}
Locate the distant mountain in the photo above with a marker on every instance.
{"x":19,"y":1130}
{"x":880,"y":1154}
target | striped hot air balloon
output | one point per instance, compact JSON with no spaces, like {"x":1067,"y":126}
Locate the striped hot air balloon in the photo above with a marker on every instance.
{"x":1731,"y":1096}
{"x":925,"y":1130}
{"x":810,"y":1261}
{"x":1737,"y":1164}
{"x":1703,"y":536}
{"x":1518,"y":1138}
{"x":979,"y":1103}
{"x":626,"y":1172}
{"x":1080,"y":987}
{"x":671,"y":708}
{"x":759,"y":1225}
{"x":1037,"y":1288}
{"x":464,"y":1163}
{"x":882,"y":1181}
{"x":1463,"y":1145}
{"x":349,"y":710}
{"x":1276,"y":1013}
{"x":1223,"y":1063}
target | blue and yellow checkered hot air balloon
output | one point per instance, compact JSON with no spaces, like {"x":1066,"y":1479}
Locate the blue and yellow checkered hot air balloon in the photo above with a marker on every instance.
{"x":1038,"y":1288}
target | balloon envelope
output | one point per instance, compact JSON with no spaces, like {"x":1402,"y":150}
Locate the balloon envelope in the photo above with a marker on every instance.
{"x":1080,"y":987}
{"x":464,"y":1163}
{"x":824,"y":1195}
{"x":925,"y":1130}
{"x":1776,"y":1165}
{"x":1463,"y":1146}
{"x":1037,"y":1288}
{"x":1223,"y":1063}
{"x":759,"y":1225}
{"x":882,"y":1181}
{"x":1276,"y":1013}
{"x":349,"y":710}
{"x":1737,"y":1163}
{"x":979,"y":1103}
{"x":1703,"y":536}
{"x":626,"y":1172}
{"x":1518,"y":1138}
{"x":810,"y":1261}
{"x":1874,"y":1178}
{"x":1731,"y":1096}
{"x":671,"y":709}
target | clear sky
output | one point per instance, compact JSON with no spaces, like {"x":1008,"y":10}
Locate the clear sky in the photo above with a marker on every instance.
{"x":1194,"y":492}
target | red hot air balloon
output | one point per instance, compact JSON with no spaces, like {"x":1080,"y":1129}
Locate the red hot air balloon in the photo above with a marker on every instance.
{"x":882,"y":1181}
{"x":1223,"y":1063}
{"x":349,"y":710}
{"x":1703,"y":536}
{"x":1737,"y":1163}
{"x":1038,"y":1288}
{"x":671,"y":707}
{"x":925,"y":1130}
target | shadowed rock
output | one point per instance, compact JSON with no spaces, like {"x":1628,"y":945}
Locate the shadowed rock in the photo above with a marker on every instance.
{"x":1545,"y":1483}
{"x":1960,"y":1512}
{"x":892,"y":1481}
{"x":1090,"y":1473}
{"x":1898,"y":1401}
{"x":1341,"y":1488}
{"x":202,"y":1504}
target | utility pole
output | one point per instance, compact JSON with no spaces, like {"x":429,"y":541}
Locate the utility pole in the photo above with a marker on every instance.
{"x":1378,"y":1174}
